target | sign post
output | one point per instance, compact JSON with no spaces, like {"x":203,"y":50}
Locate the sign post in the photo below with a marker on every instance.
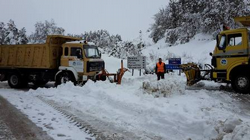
{"x":137,"y":62}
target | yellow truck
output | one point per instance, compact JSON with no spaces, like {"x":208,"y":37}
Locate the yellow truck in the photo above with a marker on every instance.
{"x":60,"y":59}
{"x":230,"y":59}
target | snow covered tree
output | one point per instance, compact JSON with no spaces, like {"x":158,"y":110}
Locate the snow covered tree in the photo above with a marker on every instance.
{"x":42,"y":29}
{"x":182,"y":19}
{"x":108,"y":43}
{"x":22,"y":38}
{"x":11,"y":35}
{"x":2,"y":32}
{"x":112,"y":44}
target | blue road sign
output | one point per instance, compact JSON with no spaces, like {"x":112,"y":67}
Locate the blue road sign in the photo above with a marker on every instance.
{"x":174,"y":61}
{"x":172,"y":67}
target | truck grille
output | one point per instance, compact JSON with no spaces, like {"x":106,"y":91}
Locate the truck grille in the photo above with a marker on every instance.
{"x":94,"y":66}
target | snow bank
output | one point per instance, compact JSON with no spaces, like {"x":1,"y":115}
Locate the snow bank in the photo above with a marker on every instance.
{"x":240,"y":132}
{"x":233,"y":128}
{"x":164,"y":87}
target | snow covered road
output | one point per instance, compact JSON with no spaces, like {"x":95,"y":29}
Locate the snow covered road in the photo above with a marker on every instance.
{"x":129,"y":112}
{"x":50,"y":120}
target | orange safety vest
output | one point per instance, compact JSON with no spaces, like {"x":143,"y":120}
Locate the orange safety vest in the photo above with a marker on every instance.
{"x":160,"y":67}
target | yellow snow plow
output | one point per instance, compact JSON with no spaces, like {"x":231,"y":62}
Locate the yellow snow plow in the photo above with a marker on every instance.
{"x":194,"y":74}
{"x":230,"y":61}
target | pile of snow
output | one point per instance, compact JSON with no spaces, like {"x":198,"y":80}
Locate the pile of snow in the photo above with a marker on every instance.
{"x":239,"y":132}
{"x":172,"y":84}
{"x":234,"y":129}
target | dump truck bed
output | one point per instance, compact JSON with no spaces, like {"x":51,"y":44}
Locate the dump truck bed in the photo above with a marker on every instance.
{"x":46,"y":56}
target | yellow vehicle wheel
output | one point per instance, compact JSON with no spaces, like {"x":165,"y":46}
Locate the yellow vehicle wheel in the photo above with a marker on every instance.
{"x":241,"y":83}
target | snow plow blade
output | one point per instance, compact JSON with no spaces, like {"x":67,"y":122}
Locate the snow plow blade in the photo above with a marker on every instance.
{"x":192,"y":72}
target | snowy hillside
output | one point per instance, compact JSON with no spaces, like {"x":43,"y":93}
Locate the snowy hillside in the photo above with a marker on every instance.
{"x":197,"y":50}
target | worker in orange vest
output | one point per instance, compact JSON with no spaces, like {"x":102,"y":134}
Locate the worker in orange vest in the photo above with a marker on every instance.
{"x":160,"y":69}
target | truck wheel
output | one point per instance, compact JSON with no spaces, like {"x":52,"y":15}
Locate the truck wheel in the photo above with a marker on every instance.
{"x":241,"y":83}
{"x":65,"y":77}
{"x":15,"y":81}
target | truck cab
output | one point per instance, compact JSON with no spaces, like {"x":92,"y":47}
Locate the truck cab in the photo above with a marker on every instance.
{"x":79,"y":62}
{"x":231,"y":57}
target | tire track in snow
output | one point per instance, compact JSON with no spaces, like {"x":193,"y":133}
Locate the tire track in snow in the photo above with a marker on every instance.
{"x":83,"y":125}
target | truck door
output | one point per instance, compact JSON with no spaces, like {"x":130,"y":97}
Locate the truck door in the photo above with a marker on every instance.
{"x":73,"y":57}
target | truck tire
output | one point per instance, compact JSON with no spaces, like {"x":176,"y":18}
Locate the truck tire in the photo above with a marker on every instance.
{"x":241,"y":83}
{"x":15,"y":81}
{"x":64,"y":77}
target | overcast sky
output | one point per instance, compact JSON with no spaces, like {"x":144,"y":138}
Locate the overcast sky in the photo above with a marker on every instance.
{"x":124,"y":17}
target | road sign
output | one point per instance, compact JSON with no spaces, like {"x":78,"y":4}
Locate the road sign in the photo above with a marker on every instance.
{"x":173,"y":64}
{"x":174,"y":61}
{"x":137,"y":62}
{"x":172,"y":67}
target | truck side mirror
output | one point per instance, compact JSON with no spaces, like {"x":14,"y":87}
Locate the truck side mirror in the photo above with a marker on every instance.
{"x":221,"y":43}
{"x":100,"y":53}
{"x":217,"y":40}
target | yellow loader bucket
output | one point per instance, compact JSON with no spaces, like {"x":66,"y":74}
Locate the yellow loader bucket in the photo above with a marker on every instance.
{"x":192,"y":73}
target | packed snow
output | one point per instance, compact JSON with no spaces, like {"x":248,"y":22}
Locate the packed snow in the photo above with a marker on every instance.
{"x":142,"y":107}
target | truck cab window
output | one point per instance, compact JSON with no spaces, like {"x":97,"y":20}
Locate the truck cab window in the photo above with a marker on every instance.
{"x":234,"y":39}
{"x":76,"y":51}
{"x":66,"y":51}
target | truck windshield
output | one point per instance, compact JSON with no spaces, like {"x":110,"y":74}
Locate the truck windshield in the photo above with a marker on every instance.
{"x":91,"y":52}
